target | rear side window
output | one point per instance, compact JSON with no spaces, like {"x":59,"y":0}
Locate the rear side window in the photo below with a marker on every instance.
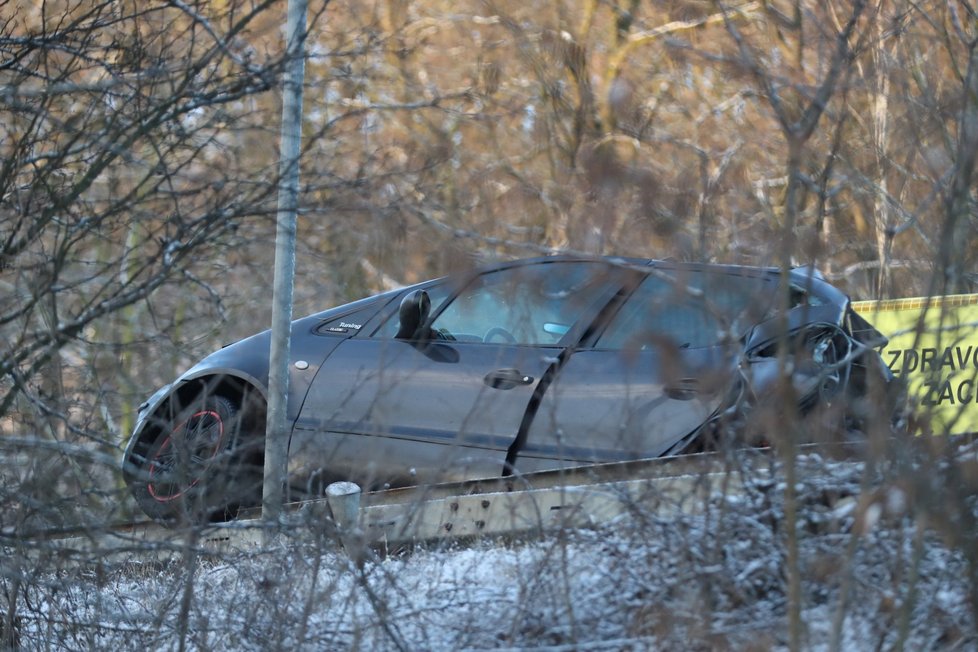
{"x":688,"y":309}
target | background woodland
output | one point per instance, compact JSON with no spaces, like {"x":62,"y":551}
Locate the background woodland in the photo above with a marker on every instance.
{"x":139,"y":152}
{"x":139,"y":163}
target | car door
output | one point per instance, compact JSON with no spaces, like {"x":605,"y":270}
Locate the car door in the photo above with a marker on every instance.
{"x":447,"y":406}
{"x":662,"y":367}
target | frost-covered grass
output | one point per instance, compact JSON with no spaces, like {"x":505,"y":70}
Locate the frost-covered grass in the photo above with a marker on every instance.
{"x":716,"y":580}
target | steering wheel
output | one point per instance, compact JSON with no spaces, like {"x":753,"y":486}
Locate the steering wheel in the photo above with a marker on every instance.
{"x":501,"y":332}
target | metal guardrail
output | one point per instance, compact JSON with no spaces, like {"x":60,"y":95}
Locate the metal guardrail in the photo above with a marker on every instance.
{"x":514,"y":505}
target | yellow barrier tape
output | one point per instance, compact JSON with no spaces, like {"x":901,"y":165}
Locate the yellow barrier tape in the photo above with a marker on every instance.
{"x":934,"y":348}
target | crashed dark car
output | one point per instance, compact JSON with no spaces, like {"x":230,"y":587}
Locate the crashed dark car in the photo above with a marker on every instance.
{"x":523,"y":366}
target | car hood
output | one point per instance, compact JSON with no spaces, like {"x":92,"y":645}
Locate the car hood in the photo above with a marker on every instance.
{"x":248,"y":361}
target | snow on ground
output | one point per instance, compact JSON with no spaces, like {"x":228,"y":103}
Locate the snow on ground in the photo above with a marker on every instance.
{"x":709,"y":581}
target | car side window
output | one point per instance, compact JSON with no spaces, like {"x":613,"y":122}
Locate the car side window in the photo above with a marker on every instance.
{"x":531,"y":304}
{"x":687,"y":310}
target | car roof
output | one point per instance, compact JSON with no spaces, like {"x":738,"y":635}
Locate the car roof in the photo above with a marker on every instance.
{"x":628,"y":261}
{"x":805,"y":277}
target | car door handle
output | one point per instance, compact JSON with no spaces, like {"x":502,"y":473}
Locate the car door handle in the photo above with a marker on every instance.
{"x":506,"y":378}
{"x":685,"y":390}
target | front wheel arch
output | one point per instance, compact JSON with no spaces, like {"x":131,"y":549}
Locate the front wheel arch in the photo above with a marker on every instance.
{"x":244,"y":490}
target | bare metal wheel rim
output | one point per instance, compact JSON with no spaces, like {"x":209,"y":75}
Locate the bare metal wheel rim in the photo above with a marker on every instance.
{"x":185,"y":455}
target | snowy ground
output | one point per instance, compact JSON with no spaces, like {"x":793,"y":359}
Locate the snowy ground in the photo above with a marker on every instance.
{"x":871,"y":579}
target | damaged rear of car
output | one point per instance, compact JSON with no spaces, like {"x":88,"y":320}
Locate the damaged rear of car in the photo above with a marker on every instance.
{"x":821,"y":355}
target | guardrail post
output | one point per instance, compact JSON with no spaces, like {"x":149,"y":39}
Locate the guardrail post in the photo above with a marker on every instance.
{"x":344,"y":503}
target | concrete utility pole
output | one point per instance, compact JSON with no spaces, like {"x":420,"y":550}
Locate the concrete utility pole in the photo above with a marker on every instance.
{"x":276,"y":431}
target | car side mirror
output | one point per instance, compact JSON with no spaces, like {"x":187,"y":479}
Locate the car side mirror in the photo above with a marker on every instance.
{"x":413,"y":314}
